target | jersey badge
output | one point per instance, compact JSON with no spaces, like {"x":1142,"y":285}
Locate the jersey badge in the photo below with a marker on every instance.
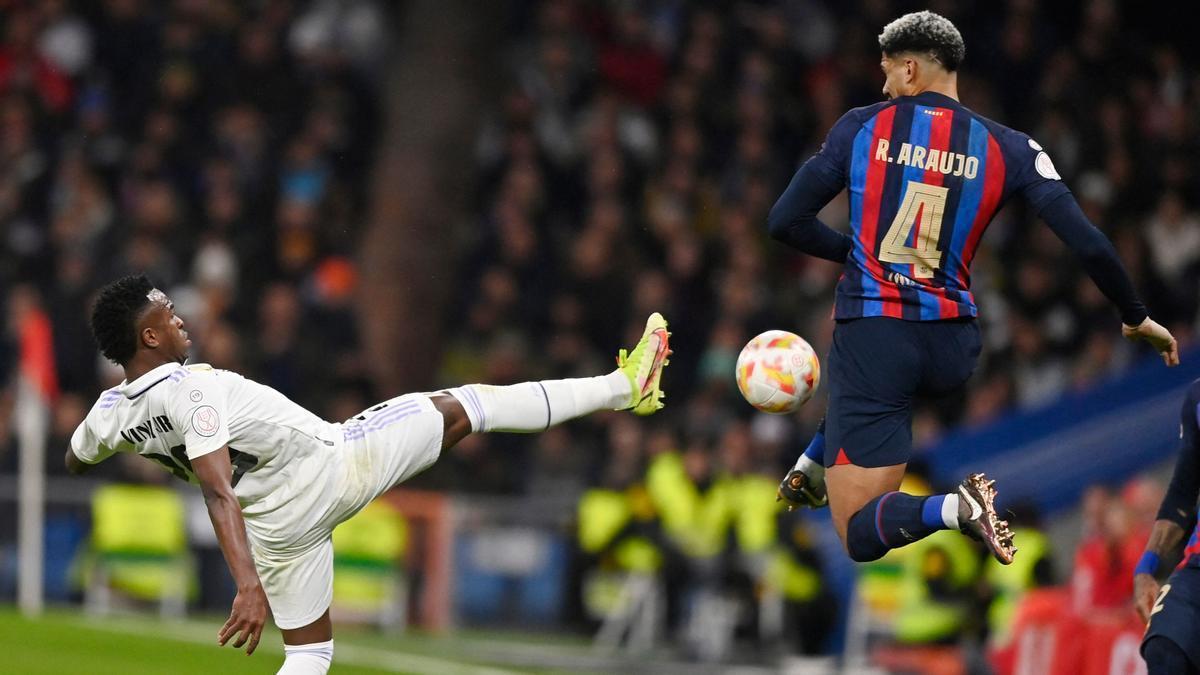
{"x":206,"y":421}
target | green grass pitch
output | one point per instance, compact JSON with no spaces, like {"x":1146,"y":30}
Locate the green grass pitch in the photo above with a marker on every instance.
{"x":63,"y":642}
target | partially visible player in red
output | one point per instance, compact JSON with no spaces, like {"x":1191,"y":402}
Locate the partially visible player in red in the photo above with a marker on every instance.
{"x":1102,"y":574}
{"x":925,"y":176}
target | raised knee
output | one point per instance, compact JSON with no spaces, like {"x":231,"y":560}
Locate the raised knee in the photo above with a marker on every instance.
{"x":449,"y":406}
{"x":456,"y":424}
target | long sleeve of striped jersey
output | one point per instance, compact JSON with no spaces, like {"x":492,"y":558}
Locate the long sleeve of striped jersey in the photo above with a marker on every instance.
{"x":793,"y":220}
{"x":1179,"y":504}
{"x":1096,"y":254}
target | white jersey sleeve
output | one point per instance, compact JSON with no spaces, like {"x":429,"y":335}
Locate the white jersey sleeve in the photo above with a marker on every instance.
{"x":87,"y":447}
{"x":199,"y":409}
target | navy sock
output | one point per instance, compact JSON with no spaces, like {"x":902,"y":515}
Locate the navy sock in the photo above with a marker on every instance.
{"x":891,"y":520}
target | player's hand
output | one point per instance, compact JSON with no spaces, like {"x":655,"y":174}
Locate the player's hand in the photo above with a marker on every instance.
{"x":247,"y":619}
{"x":1145,"y":590}
{"x":1160,"y":338}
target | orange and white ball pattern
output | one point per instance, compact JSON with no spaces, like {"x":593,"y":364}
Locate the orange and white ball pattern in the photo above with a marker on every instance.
{"x":778,"y":371}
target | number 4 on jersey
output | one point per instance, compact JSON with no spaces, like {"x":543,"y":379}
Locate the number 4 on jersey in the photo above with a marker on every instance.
{"x":924,"y":205}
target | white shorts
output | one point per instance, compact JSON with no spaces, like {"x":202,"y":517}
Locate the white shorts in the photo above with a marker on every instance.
{"x":384,"y":445}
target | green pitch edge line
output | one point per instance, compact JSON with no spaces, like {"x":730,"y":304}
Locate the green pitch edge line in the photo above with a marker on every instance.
{"x":68,"y":629}
{"x":371,"y":657}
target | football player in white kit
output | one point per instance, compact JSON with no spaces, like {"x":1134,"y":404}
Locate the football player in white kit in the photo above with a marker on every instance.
{"x":276,"y":478}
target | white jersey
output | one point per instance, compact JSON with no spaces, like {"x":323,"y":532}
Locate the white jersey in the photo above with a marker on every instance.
{"x":174,"y":414}
{"x":295,"y":475}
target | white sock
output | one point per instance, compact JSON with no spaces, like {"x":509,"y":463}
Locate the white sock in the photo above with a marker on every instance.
{"x":950,"y":511}
{"x":537,"y":406}
{"x":808,"y":467}
{"x":310,"y":659}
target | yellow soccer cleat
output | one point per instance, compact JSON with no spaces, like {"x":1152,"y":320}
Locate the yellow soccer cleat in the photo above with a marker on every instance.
{"x":644,"y":365}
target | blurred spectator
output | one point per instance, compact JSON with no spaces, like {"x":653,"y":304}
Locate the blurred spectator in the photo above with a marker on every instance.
{"x":639,"y":146}
{"x":625,"y":165}
{"x":123,"y":147}
{"x":25,"y":69}
{"x":1008,"y":584}
{"x":1102,"y":577}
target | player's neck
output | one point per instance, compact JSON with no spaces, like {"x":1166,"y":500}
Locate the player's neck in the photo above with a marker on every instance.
{"x":946,"y":86}
{"x":142,"y":363}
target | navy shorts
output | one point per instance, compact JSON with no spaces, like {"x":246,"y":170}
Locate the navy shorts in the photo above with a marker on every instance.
{"x":1179,"y":618}
{"x":875,"y":367}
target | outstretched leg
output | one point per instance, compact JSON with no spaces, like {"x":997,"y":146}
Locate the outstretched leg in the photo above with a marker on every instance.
{"x":872,"y":517}
{"x":536,"y":406}
{"x":867,"y":507}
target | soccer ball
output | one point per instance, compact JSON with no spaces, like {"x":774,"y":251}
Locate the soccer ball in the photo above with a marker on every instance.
{"x":778,"y":372}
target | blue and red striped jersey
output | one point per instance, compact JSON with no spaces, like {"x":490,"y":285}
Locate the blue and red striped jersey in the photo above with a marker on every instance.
{"x":1179,"y":504}
{"x":1191,"y":553}
{"x":925,"y":176}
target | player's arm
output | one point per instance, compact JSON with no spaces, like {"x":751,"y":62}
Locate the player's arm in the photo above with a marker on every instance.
{"x":85,"y":450}
{"x":250,"y":606}
{"x":1165,"y":537}
{"x":198,"y":408}
{"x":1100,"y":261}
{"x":793,"y":220}
{"x":1176,"y":515}
{"x":74,"y":466}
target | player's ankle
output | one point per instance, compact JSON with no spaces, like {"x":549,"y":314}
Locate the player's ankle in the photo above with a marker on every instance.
{"x":814,"y":470}
{"x":623,"y":388}
{"x":940,"y":512}
{"x":950,"y":512}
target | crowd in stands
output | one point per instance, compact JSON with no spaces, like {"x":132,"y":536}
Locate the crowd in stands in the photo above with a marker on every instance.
{"x":632,"y":160}
{"x":627,"y":166}
{"x":630,"y":165}
{"x":221,"y":148}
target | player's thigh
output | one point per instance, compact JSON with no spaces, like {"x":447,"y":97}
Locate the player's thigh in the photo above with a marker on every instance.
{"x":850,"y":487}
{"x":320,"y":630}
{"x":298,"y":584}
{"x":1176,"y":614}
{"x":874,"y":369}
{"x":385,"y":445}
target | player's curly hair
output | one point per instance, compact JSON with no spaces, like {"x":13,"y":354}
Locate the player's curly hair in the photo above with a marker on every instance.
{"x":925,"y":33}
{"x":114,"y":316}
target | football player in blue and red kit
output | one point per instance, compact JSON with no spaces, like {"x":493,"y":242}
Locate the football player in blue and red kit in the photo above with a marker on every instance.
{"x":1170,"y":644}
{"x":925,"y":176}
